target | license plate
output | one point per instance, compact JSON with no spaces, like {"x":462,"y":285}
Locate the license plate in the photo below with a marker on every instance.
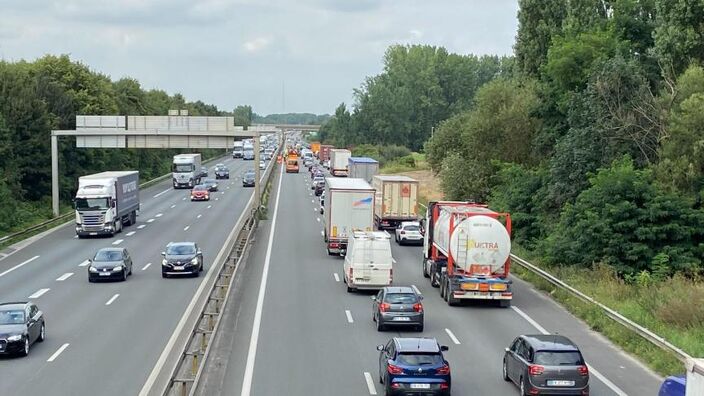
{"x":560,"y":383}
{"x":104,"y":274}
{"x":420,"y":386}
{"x":402,"y":318}
{"x":178,"y":267}
{"x":93,"y":233}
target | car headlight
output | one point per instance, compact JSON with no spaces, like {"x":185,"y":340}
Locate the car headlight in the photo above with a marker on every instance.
{"x":14,"y":338}
{"x":195,"y":260}
{"x":92,"y":269}
{"x":117,"y":268}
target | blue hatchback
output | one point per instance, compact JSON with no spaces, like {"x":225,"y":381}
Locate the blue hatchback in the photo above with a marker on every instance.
{"x":414,"y":366}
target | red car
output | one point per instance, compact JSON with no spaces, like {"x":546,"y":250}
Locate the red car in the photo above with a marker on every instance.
{"x":200,"y":193}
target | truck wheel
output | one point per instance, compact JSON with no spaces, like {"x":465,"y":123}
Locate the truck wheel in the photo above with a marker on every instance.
{"x":425,"y":273}
{"x":451,"y":300}
{"x":351,"y":289}
{"x":505,"y":303}
{"x":434,"y":280}
{"x":442,"y":290}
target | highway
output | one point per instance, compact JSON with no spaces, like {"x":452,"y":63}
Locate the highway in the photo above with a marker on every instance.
{"x":105,"y":338}
{"x":290,"y":327}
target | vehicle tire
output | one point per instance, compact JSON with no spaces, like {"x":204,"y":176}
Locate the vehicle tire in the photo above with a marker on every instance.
{"x":124,"y":275}
{"x":420,"y":328}
{"x":442,"y":290}
{"x":379,"y":326}
{"x":351,"y":289}
{"x":201,"y":267}
{"x":25,"y":351}
{"x":164,"y":275}
{"x":91,"y":280}
{"x":451,"y":301}
{"x":196,"y":274}
{"x":504,"y":371}
{"x":42,"y":333}
{"x":434,"y":279}
{"x":425,"y":271}
{"x":387,"y":391}
{"x":522,"y":385}
{"x":505,"y":303}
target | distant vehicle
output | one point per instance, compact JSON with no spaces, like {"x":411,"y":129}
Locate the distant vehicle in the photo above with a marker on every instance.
{"x":315,"y":148}
{"x":350,"y":207}
{"x":368,"y":261}
{"x":546,"y":364}
{"x":316,"y":180}
{"x":248,"y":178}
{"x":292,"y":162}
{"x":106,"y":202}
{"x":322,"y":202}
{"x":466,"y":250}
{"x":362,"y":167}
{"x":212,"y":184}
{"x":200,"y":193}
{"x":339,"y":161}
{"x":409,"y":232}
{"x":319,"y":186}
{"x":414,"y":366}
{"x":110,"y":264}
{"x":262,"y":165}
{"x":186,"y":170}
{"x":204,"y":171}
{"x":326,"y":164}
{"x":248,"y":153}
{"x":324,"y":153}
{"x":674,"y":385}
{"x":222,"y":172}
{"x":396,"y":200}
{"x":238,"y":150}
{"x":398,"y":306}
{"x":181,"y":258}
{"x":21,"y":325}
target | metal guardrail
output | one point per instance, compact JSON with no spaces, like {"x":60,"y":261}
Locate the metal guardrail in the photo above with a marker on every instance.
{"x":65,"y":217}
{"x":629,"y":324}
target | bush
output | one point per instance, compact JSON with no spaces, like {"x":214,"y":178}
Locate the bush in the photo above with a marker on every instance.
{"x":681,"y":303}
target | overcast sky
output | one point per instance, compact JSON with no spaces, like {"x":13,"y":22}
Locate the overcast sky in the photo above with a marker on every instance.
{"x":277,"y":55}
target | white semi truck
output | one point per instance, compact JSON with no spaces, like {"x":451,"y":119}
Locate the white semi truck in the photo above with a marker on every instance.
{"x":349,"y":207}
{"x":339,"y":162}
{"x":238,"y":149}
{"x":186,"y":170}
{"x":106,"y":202}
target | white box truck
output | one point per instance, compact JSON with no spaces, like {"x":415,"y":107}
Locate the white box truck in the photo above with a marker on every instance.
{"x":368,"y":262}
{"x":695,"y":377}
{"x":238,"y":149}
{"x":396,"y":200}
{"x":248,"y":150}
{"x":338,"y":162}
{"x":105,"y":202}
{"x":362,"y":168}
{"x":349,"y":206}
{"x":186,"y":170}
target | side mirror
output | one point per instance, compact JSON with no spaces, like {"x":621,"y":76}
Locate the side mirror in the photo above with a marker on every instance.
{"x":379,"y":348}
{"x":163,"y":253}
{"x":112,"y":204}
{"x":199,"y":252}
{"x":506,"y":349}
{"x":420,"y":297}
{"x":90,"y":260}
{"x":373,"y":298}
{"x":444,"y":348}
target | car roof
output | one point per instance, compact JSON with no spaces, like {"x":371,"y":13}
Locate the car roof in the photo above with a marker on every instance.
{"x":200,"y":187}
{"x":13,"y":305}
{"x":181,"y":244}
{"x":111,"y":249}
{"x":551,"y":342}
{"x":416,"y":344}
{"x":407,"y":223}
{"x":399,"y":289}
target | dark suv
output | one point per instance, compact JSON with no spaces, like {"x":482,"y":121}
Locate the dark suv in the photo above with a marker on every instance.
{"x":546,"y":364}
{"x":248,"y":179}
{"x":414,"y":366}
{"x":181,"y":258}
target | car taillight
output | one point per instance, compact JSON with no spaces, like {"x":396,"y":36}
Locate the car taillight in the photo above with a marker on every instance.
{"x":394,"y":369}
{"x":534,"y":369}
{"x":403,"y":232}
{"x":444,"y":386}
{"x":583,"y":370}
{"x":418,"y":307}
{"x":383,"y":307}
{"x":350,"y":274}
{"x":444,"y":370}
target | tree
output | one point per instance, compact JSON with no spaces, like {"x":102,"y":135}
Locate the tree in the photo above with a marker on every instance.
{"x":538,"y":22}
{"x":243,"y":116}
{"x":679,"y":33}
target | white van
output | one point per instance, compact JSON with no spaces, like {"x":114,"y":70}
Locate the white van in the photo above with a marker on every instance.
{"x":368,"y":261}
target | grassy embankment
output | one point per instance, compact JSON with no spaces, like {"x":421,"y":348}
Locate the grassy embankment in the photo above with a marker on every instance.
{"x":673,"y":309}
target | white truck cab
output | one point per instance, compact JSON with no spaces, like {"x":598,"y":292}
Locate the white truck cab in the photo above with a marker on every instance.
{"x":368,"y":260}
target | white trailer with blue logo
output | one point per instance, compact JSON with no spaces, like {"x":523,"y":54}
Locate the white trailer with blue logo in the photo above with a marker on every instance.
{"x":106,"y":202}
{"x":349,"y":207}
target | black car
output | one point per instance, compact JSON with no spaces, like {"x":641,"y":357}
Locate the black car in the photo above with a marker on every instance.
{"x":21,"y":325}
{"x":212,"y":184}
{"x":204,"y":171}
{"x":397,"y":306}
{"x":182,"y":258}
{"x":414,"y":366}
{"x":222,"y":172}
{"x":546,"y":364}
{"x":248,"y":178}
{"x":110,"y":264}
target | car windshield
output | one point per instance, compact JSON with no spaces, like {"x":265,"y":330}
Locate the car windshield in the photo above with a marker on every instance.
{"x":199,"y":188}
{"x":11,"y":317}
{"x":559,"y":358}
{"x":401,"y":298}
{"x":411,"y":228}
{"x":249,"y":174}
{"x":419,"y":359}
{"x":182,"y":168}
{"x":108,"y":255}
{"x":91,"y":203}
{"x":180,"y":250}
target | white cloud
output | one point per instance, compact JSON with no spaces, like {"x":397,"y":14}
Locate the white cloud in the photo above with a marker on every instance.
{"x":256,"y":44}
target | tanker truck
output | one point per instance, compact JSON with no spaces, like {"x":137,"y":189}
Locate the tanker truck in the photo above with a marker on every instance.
{"x":466,"y":250}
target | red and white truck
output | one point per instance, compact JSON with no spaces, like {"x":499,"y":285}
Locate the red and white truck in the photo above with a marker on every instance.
{"x":466,"y":252}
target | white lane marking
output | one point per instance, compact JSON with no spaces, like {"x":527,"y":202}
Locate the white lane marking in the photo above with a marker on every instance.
{"x":186,"y":228}
{"x":117,"y":242}
{"x":322,"y":233}
{"x":19,"y":265}
{"x":337,"y":277}
{"x":228,"y":187}
{"x":452,"y":336}
{"x":146,"y":266}
{"x":254,"y":340}
{"x":314,"y":209}
{"x":39,"y":293}
{"x":139,"y":227}
{"x":131,"y":233}
{"x":64,"y":276}
{"x":182,"y":199}
{"x":592,"y":370}
{"x":312,"y":201}
{"x":370,"y":383}
{"x":415,"y":289}
{"x":112,"y":299}
{"x":173,"y":206}
{"x":349,"y":316}
{"x":158,"y":215}
{"x":58,"y":352}
{"x":84,"y":263}
{"x":217,"y":199}
{"x":209,"y":206}
{"x":318,"y":218}
{"x":163,"y":192}
{"x":199,"y":216}
{"x":393,"y":260}
{"x":150,"y":221}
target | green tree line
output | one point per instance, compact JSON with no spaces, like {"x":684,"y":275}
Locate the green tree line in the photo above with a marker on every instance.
{"x":37,"y":97}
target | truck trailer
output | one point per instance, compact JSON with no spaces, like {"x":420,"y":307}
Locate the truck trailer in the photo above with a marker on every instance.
{"x":396,"y":200}
{"x":362,"y":168}
{"x":186,"y":170}
{"x":339,"y":161}
{"x":106,"y":202}
{"x":466,"y":250}
{"x":349,"y":207}
{"x":324,"y":154}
